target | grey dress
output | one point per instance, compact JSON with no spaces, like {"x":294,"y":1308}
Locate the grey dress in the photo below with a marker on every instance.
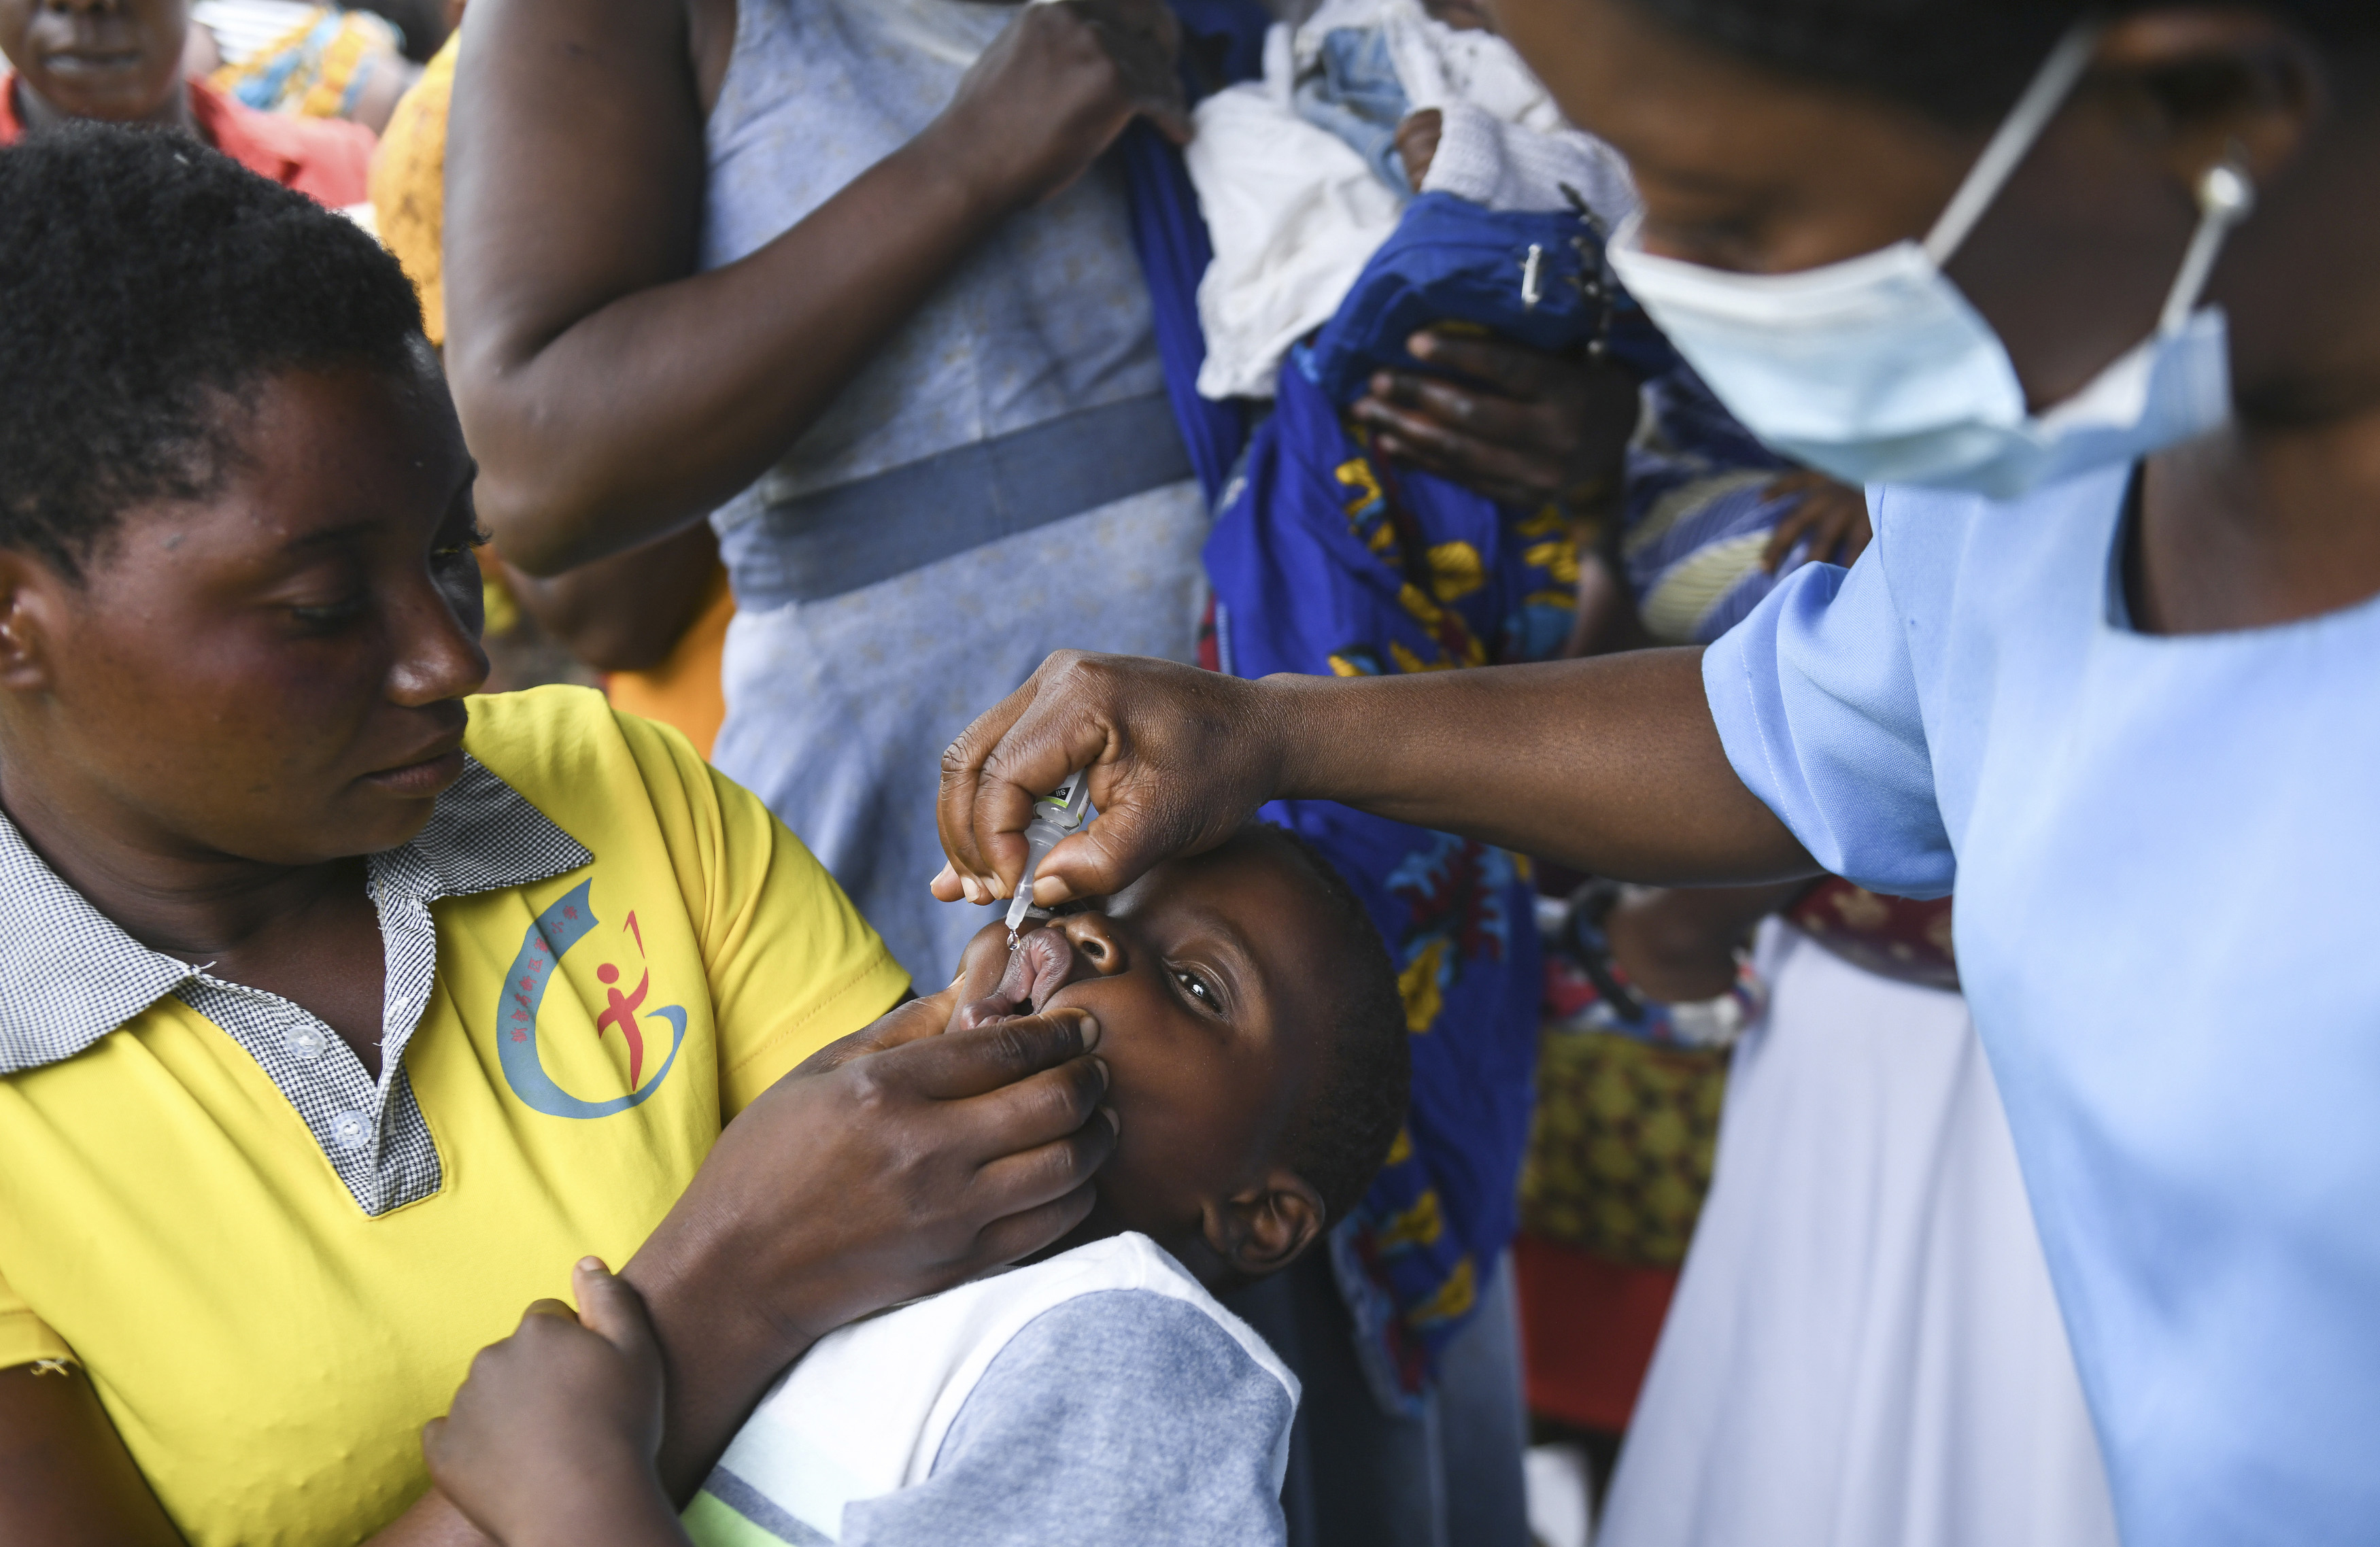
{"x":839,"y":707}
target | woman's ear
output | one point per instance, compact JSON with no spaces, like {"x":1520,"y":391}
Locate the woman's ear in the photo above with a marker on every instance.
{"x":1262,"y":1229}
{"x":27,"y":602}
{"x":2224,"y":83}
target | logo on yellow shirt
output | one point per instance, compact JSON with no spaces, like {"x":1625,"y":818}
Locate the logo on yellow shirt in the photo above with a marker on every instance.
{"x":547,"y":941}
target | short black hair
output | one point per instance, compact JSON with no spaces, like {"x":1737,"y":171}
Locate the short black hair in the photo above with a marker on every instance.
{"x":1962,"y":61}
{"x":145,"y":283}
{"x":1341,"y":1136}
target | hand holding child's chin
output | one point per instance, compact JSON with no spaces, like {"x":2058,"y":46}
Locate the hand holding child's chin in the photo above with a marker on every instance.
{"x":553,"y":1435}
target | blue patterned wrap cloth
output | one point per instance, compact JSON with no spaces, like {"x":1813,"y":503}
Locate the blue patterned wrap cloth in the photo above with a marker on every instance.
{"x":1696,"y":514}
{"x":1325,"y":560}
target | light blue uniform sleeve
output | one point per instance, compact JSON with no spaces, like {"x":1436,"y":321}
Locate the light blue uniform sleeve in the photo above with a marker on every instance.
{"x":1817,"y":703}
{"x":1122,"y":1416}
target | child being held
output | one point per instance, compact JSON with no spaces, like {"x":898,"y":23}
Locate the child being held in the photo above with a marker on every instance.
{"x":1255,"y":1038}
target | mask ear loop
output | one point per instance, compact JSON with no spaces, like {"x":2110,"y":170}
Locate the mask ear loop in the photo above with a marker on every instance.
{"x":2225,"y":198}
{"x":2014,"y":138}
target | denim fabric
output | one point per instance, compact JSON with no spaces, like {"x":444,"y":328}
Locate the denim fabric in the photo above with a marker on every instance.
{"x":1356,"y":96}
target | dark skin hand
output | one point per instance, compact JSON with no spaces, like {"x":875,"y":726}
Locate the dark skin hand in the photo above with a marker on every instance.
{"x":240,"y":695}
{"x":901,"y":1159}
{"x":1609,"y":765}
{"x":613,"y":394}
{"x":1517,"y":424}
{"x":1678,"y":944}
{"x":1203,"y":977}
{"x":555,"y":1435}
{"x":1417,"y":141}
{"x":1832,"y":515}
{"x":1614,"y":766}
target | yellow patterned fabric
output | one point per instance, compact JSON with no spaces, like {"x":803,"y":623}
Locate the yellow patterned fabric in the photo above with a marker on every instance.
{"x":1619,"y":1158}
{"x":316,"y":70}
{"x":408,"y":183}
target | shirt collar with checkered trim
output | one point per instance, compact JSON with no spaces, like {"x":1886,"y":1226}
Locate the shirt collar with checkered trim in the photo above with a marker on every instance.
{"x":70,"y":975}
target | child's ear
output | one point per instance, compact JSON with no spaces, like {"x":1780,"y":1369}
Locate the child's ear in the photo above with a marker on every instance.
{"x":1261,"y":1229}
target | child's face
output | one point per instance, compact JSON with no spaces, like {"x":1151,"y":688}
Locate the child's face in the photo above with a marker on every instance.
{"x":117,"y":62}
{"x":273,"y":672}
{"x":1213,"y":1015}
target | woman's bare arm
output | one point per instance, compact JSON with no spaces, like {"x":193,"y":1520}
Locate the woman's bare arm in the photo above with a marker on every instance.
{"x":613,"y":394}
{"x":66,"y":1480}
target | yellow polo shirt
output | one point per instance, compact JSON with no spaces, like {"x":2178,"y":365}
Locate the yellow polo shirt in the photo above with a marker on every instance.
{"x":276,"y":1268}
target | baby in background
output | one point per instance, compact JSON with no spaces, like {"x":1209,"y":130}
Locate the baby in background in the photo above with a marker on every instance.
{"x":1363,"y":105}
{"x":1255,"y":1040}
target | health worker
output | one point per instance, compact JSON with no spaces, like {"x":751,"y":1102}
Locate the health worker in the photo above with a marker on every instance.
{"x":2092,"y":300}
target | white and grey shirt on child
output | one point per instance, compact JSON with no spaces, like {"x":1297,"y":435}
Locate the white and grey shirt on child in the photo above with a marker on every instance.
{"x":1101,"y":1396}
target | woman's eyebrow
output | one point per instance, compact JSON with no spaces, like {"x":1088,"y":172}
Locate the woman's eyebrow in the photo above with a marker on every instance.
{"x":323,"y":537}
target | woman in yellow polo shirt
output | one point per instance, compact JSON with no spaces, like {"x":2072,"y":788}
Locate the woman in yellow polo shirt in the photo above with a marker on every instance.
{"x":339,"y":1013}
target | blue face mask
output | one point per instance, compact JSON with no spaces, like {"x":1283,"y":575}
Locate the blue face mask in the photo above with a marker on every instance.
{"x":1877,"y":370}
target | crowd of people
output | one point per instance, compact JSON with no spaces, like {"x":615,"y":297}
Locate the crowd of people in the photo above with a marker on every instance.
{"x":549,"y":557}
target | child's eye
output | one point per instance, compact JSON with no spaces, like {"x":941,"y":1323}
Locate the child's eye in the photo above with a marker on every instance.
{"x":1199,"y":989}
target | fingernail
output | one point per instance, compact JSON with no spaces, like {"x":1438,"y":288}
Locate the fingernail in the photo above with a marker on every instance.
{"x":1106,"y":1077}
{"x":1087,"y":1026}
{"x":592,"y":1265}
{"x":1420,"y":345}
{"x":945,"y":873}
{"x":1115,"y":1124}
{"x":972,"y":889}
{"x":1049,"y":889}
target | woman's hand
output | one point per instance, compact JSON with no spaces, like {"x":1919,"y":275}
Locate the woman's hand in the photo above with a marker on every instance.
{"x":1054,"y":90}
{"x":1832,"y":515}
{"x":1514,"y":423}
{"x":1678,"y":944}
{"x":905,"y":1162}
{"x":554,"y":1434}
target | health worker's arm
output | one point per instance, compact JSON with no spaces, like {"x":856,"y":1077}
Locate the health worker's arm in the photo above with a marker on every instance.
{"x":1796,"y":744}
{"x":1612,"y":765}
{"x":612,"y":393}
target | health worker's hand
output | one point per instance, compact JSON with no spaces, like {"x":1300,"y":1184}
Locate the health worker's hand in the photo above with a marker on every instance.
{"x":1053,"y":91}
{"x":1514,"y":423}
{"x":1832,"y":515}
{"x":553,"y":1436}
{"x":1179,"y":757}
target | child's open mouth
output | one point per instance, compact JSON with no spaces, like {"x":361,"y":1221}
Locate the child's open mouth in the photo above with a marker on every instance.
{"x":1043,"y":962}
